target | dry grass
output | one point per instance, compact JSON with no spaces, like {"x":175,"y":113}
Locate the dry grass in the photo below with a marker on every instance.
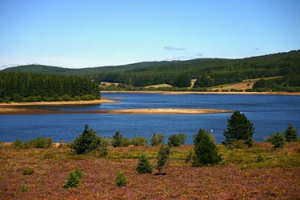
{"x":238,"y":177}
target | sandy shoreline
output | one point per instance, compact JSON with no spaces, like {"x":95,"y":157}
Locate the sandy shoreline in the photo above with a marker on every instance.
{"x":194,"y":92}
{"x":55,"y":103}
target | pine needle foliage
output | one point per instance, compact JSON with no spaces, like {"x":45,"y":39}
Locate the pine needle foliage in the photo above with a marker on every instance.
{"x":144,"y":166}
{"x":87,"y":142}
{"x":73,"y":181}
{"x":121,"y":180}
{"x":205,"y":151}
{"x":239,"y":128}
{"x":277,"y":140}
{"x":290,"y":134}
{"x":162,"y":158}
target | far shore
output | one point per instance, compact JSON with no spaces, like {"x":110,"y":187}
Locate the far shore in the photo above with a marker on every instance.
{"x":195,"y":92}
{"x":49,"y":103}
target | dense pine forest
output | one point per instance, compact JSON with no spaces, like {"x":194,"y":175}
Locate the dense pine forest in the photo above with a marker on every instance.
{"x":284,"y":68}
{"x":28,"y":87}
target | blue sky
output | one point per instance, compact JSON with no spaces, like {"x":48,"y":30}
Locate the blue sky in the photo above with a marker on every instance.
{"x":90,"y":33}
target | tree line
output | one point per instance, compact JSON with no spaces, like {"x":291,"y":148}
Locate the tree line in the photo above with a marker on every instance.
{"x":211,"y":72}
{"x":208,"y":72}
{"x":28,"y":87}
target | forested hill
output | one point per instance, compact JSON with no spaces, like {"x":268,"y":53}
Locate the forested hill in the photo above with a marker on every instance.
{"x":208,"y":72}
{"x":28,"y":87}
{"x":44,"y":69}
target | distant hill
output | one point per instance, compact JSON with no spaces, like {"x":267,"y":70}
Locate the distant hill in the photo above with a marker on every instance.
{"x":209,"y":72}
{"x":44,"y":69}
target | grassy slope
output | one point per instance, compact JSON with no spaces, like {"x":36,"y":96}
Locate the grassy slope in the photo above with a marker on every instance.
{"x":238,"y":177}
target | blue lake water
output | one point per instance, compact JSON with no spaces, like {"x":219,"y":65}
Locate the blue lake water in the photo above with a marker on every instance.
{"x":268,"y":113}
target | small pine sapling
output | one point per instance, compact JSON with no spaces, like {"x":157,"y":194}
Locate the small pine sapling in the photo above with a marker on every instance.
{"x":205,"y":151}
{"x":74,"y":179}
{"x":121,"y":180}
{"x":144,"y":166}
{"x":162,"y":158}
{"x":260,"y":158}
{"x":277,"y":140}
{"x":290,"y":134}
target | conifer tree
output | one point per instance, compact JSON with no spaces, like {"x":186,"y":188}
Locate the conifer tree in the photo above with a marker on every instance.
{"x":117,"y":140}
{"x":73,"y":181}
{"x":86,"y":142}
{"x":290,"y":134}
{"x":121,"y":179}
{"x":205,"y":151}
{"x":239,"y":128}
{"x":162,"y":158}
{"x":144,"y":166}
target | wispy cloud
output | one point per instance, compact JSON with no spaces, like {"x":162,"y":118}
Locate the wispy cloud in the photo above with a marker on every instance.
{"x":199,"y":55}
{"x":257,"y":49}
{"x":173,"y":58}
{"x":171,"y":48}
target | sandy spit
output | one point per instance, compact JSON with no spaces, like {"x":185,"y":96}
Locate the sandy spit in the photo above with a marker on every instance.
{"x":38,"y":111}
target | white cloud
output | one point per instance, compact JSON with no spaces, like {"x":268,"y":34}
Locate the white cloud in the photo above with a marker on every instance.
{"x":170,"y":58}
{"x":171,"y":48}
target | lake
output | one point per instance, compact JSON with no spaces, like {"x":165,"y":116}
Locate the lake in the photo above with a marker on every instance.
{"x":268,"y":113}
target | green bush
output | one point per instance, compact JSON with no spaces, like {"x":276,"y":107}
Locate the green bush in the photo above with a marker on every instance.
{"x":87,"y":142}
{"x":121,"y":179}
{"x":260,"y":158}
{"x":41,"y":143}
{"x":162,"y":158}
{"x":139,"y":141}
{"x":36,"y":143}
{"x":290,"y":134}
{"x":177,"y":140}
{"x":157,"y":139}
{"x":103,"y":147}
{"x":117,"y":140}
{"x":28,"y":171}
{"x":126,"y":142}
{"x":17,"y":144}
{"x":144,"y":166}
{"x":73,"y":181}
{"x":205,"y":151}
{"x":277,"y":140}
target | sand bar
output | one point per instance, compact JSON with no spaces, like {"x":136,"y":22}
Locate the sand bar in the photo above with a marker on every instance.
{"x":15,"y":110}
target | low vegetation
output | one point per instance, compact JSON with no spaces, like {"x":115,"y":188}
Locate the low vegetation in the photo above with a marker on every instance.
{"x":261,"y":171}
{"x":36,"y":143}
{"x":73,"y":179}
{"x":241,"y":174}
{"x":121,"y":180}
{"x":176,"y":140}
